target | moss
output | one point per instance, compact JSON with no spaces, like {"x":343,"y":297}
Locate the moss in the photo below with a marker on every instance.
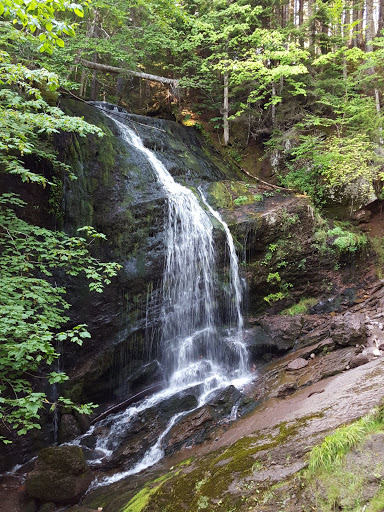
{"x":142,"y":498}
{"x":220,"y":195}
{"x":300,"y":308}
{"x":208,"y":483}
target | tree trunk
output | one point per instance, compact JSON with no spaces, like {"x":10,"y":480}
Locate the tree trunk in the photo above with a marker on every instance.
{"x":273,"y":106}
{"x":347,"y":33}
{"x":370,"y":28}
{"x":312,"y":26}
{"x":83,"y":83}
{"x":226,"y":109}
{"x":360,"y":34}
{"x":380,"y":16}
{"x":89,"y":34}
{"x":357,"y":27}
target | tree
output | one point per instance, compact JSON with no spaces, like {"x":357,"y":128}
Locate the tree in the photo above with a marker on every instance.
{"x":33,"y":311}
{"x":32,"y":306}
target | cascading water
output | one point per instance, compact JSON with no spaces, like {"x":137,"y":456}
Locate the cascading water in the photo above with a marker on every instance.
{"x":193,"y":350}
{"x":236,"y":291}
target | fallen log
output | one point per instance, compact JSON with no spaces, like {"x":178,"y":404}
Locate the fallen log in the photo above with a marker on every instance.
{"x":112,"y":69}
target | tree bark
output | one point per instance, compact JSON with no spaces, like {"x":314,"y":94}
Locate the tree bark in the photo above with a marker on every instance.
{"x":226,"y":110}
{"x":380,"y":16}
{"x":112,"y":69}
{"x":370,"y":28}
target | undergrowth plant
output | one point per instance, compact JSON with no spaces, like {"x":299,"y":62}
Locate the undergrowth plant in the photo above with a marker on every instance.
{"x":324,"y":457}
{"x":347,"y":241}
{"x":301,"y":307}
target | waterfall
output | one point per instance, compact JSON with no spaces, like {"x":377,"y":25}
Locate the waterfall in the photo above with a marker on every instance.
{"x":193,"y":349}
{"x":236,"y":289}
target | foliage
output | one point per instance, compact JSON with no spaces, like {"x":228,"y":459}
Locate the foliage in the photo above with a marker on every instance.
{"x":301,"y":307}
{"x":347,"y":241}
{"x":228,"y":38}
{"x":241,"y":200}
{"x":32,"y":305}
{"x":275,"y":297}
{"x":27,"y":121}
{"x":42,"y":18}
{"x":33,"y":309}
{"x":335,"y":167}
{"x":330,"y":453}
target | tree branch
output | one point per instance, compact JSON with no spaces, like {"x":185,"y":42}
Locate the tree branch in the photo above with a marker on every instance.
{"x":113,"y":69}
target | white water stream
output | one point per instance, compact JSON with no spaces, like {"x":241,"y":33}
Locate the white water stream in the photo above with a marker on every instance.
{"x":194,"y":352}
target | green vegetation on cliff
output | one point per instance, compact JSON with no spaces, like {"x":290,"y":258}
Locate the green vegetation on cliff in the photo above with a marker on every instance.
{"x":34,"y":259}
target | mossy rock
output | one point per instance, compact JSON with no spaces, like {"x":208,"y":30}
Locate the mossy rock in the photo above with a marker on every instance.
{"x":61,"y":475}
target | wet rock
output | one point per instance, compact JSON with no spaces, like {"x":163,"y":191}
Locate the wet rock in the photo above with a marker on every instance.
{"x":297,"y":364}
{"x":143,"y":430}
{"x":83,"y":421}
{"x":223,"y":401}
{"x":196,"y":427}
{"x":191,"y":430}
{"x":338,"y":302}
{"x":69,"y":428}
{"x":349,"y":329}
{"x":282,"y":330}
{"x":61,"y":475}
{"x":177,"y":403}
{"x":259,"y":342}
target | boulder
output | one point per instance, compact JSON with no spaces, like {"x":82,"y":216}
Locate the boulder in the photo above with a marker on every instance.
{"x":61,"y":475}
{"x":349,"y":329}
{"x":335,"y":362}
{"x":222,"y":401}
{"x":192,"y":429}
{"x":183,"y":401}
{"x":297,"y":364}
{"x":196,"y":427}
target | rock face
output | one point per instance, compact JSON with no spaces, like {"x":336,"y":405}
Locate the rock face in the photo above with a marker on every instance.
{"x":118,"y":193}
{"x":61,"y":475}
